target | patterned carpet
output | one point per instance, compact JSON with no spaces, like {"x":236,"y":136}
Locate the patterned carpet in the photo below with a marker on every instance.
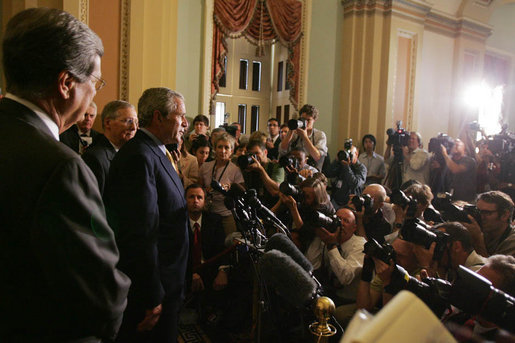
{"x":192,"y":333}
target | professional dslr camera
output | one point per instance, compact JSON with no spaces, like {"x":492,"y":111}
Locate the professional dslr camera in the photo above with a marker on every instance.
{"x":292,"y":178}
{"x":345,"y":154}
{"x":434,"y":146}
{"x":451,"y":212}
{"x":400,"y":199}
{"x":318,"y":219}
{"x":470,"y":292}
{"x":246,"y":160}
{"x":364,"y":201}
{"x":384,"y":252}
{"x":294,"y":124}
{"x":417,"y":232}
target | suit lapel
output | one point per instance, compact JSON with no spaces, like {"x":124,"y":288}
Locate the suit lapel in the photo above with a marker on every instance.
{"x":167,"y":165}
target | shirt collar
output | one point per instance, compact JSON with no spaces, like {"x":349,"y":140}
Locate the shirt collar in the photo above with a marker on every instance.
{"x":156,"y":140}
{"x":192,"y":222}
{"x":52,"y":126}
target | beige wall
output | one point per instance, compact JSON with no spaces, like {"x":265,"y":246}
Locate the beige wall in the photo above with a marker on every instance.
{"x":436,"y":78}
{"x":104,"y":19}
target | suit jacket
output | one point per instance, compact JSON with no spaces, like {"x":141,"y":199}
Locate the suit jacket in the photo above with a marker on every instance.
{"x":213,"y":243}
{"x":72,"y":138}
{"x":147,"y":209}
{"x":58,"y":279}
{"x":273,"y":154}
{"x":98,"y":157}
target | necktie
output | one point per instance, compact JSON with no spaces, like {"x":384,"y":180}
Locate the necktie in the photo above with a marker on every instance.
{"x":197,"y":246}
{"x":172,"y":161}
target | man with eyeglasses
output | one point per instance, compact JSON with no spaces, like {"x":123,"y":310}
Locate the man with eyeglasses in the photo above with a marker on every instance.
{"x":120,"y":122}
{"x":58,"y":275}
{"x":273,"y":140}
{"x":495,"y":233}
{"x":81,"y":135}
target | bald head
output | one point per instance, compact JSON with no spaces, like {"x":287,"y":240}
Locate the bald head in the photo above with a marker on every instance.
{"x":376,"y":192}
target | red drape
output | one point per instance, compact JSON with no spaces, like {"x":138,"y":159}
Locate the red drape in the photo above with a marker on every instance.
{"x":258,"y":21}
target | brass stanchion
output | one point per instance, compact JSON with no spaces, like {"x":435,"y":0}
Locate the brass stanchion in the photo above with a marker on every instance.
{"x":321,"y":329}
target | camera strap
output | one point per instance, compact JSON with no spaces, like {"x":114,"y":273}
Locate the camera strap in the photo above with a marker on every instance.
{"x":223,"y":171}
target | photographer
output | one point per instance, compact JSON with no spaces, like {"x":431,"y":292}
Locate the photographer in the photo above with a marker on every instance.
{"x":309,"y":139}
{"x":415,"y":159}
{"x":494,"y":235}
{"x":370,"y":218}
{"x":260,"y":173}
{"x":422,"y":196}
{"x":461,"y":172}
{"x":200,"y":127}
{"x":303,"y":168}
{"x":500,"y":271}
{"x":350,"y":175}
{"x":312,"y":197}
{"x":344,"y":255}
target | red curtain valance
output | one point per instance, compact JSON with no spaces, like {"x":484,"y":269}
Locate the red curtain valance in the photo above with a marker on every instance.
{"x":260,"y":22}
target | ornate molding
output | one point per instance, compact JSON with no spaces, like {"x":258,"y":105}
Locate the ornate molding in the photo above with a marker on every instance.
{"x":453,"y":27}
{"x":124,"y":49}
{"x":84,"y":11}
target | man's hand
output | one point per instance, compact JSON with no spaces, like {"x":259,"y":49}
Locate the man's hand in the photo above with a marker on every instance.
{"x":256,"y":166}
{"x":306,"y":173}
{"x":220,"y":281}
{"x":287,"y":200}
{"x":425,"y":256}
{"x":405,"y":152}
{"x":151,"y":319}
{"x":302,"y":133}
{"x":383,"y":270}
{"x":478,"y":240}
{"x":327,"y":237}
{"x":444,"y":151}
{"x":400,"y":213}
{"x":197,"y":284}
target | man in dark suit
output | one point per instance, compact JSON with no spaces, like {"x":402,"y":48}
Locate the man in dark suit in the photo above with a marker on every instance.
{"x":207,"y":239}
{"x":146,"y":207}
{"x":120,"y":122}
{"x":58,"y":280}
{"x":273,"y":140}
{"x":80,"y":136}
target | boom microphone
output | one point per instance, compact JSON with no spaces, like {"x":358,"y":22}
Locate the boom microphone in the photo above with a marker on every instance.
{"x":292,"y":282}
{"x":263,"y":212}
{"x":282,"y":243}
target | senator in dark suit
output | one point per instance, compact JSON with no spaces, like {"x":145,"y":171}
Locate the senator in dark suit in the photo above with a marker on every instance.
{"x":146,"y":207}
{"x":58,"y":280}
{"x":119,"y":121}
{"x":80,"y":136}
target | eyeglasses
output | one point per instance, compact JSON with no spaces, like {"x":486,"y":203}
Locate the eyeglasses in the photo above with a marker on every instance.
{"x":129,"y":121}
{"x":99,"y":83}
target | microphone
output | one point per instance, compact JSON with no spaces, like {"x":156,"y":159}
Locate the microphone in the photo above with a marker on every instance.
{"x":263,"y":212}
{"x":282,"y":243}
{"x":292,"y":282}
{"x":236,"y":190}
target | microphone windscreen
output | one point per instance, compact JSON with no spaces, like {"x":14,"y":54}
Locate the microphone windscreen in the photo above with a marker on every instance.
{"x":236,"y":190}
{"x":292,"y":282}
{"x":284,"y":244}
